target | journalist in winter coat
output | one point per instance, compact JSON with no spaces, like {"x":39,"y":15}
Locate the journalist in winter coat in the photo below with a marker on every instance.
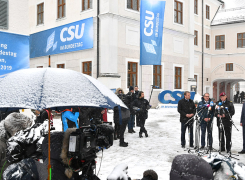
{"x":187,"y":110}
{"x":141,"y":105}
{"x":13,"y":123}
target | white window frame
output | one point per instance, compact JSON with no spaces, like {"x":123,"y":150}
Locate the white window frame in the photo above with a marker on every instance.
{"x":182,"y":77}
{"x":182,"y":25}
{"x":162,"y":77}
{"x":139,"y":71}
{"x":84,"y":60}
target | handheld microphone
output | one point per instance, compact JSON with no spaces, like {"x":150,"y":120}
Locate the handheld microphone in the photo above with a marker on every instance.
{"x":220,"y":103}
{"x":209,"y":109}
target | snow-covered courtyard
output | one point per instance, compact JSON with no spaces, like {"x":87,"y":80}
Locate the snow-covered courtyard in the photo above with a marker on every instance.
{"x":159,"y":149}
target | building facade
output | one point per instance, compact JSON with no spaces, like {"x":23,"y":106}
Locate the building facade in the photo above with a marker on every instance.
{"x":116,"y":64}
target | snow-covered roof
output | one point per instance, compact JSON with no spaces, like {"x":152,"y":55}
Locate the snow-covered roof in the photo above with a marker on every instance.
{"x":232,"y":11}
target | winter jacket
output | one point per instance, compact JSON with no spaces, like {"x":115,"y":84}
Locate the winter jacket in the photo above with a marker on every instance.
{"x":243,"y":115}
{"x":228,"y":114}
{"x":143,"y":106}
{"x":190,"y":167}
{"x":69,"y":116}
{"x":125,"y":113}
{"x":130,"y":99}
{"x":205,"y":112}
{"x":13,"y":123}
{"x":186,"y":107}
{"x":136,"y":94}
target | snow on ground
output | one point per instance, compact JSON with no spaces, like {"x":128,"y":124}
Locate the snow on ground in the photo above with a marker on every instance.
{"x":159,"y":149}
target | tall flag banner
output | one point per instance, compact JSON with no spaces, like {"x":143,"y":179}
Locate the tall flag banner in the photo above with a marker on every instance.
{"x":14,"y":52}
{"x":151,"y":31}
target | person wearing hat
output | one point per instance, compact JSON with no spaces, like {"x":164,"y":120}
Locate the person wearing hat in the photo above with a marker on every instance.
{"x":130,"y":99}
{"x":227,"y":110}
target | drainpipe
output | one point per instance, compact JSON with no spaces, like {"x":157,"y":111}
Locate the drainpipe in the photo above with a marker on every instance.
{"x":98,"y":38}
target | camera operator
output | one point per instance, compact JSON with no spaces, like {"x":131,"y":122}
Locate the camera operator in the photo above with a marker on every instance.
{"x":206,"y":118}
{"x":141,"y":105}
{"x":187,"y":110}
{"x":121,"y":120}
{"x":225,"y":117}
{"x":130,"y":98}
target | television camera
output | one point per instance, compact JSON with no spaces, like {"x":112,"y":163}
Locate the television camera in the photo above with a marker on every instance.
{"x":84,"y":143}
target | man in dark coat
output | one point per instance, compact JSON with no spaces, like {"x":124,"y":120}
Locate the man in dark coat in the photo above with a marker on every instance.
{"x":141,"y":106}
{"x":121,"y":120}
{"x":187,"y":110}
{"x":136,"y":93}
{"x":13,"y":123}
{"x":242,"y":123}
{"x":206,"y":115}
{"x":223,"y":115}
{"x":130,"y":98}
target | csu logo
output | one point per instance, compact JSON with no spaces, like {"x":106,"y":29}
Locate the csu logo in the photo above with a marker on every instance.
{"x":68,"y":34}
{"x":177,"y":95}
{"x":149,"y":23}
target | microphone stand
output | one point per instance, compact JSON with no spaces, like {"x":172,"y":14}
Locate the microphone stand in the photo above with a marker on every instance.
{"x":197,"y":134}
{"x":230,"y":154}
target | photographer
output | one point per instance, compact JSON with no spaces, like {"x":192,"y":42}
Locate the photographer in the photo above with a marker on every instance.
{"x":224,"y":116}
{"x":141,"y":106}
{"x":206,"y":114}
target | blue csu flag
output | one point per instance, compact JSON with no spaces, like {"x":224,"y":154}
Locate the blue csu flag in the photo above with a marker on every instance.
{"x":151,"y":30}
{"x":70,"y":37}
{"x":14,"y":52}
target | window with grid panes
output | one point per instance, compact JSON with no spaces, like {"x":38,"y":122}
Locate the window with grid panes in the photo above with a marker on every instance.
{"x":207,"y":12}
{"x":220,"y":42}
{"x":196,"y":38}
{"x":178,"y":12}
{"x":241,"y":40}
{"x":132,"y":74}
{"x":61,"y":66}
{"x":61,"y":8}
{"x":4,"y":6}
{"x":86,"y":4}
{"x":196,"y":6}
{"x":40,"y":12}
{"x":229,"y":66}
{"x":157,"y":75}
{"x":87,"y":68}
{"x":207,"y":41}
{"x":133,"y":4}
{"x":177,"y":78}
